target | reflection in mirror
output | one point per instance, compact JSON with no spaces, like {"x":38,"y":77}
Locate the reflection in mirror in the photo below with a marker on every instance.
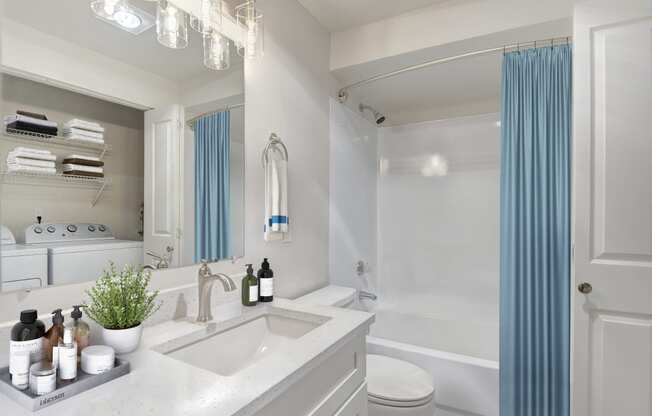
{"x":214,"y":181}
{"x":114,"y":148}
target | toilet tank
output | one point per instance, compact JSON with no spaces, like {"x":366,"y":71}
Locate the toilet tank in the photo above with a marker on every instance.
{"x":331,"y":295}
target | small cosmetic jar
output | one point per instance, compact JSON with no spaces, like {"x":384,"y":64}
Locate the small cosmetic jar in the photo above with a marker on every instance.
{"x":97,"y":359}
{"x":20,"y":363}
{"x":42,"y":378}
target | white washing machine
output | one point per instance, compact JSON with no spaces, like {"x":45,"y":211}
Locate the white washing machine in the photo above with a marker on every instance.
{"x":21,"y":266}
{"x":81,"y":252}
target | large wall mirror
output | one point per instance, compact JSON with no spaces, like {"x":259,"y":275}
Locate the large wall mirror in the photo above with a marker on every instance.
{"x":116,"y":147}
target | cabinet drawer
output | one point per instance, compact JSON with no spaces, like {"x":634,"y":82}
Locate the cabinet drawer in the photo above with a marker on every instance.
{"x":357,"y":403}
{"x":323,"y":390}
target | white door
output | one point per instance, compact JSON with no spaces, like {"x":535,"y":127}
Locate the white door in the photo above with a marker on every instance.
{"x":163,"y":155}
{"x":612,"y":333}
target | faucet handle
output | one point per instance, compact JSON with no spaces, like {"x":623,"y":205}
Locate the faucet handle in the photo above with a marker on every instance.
{"x":204,"y":270}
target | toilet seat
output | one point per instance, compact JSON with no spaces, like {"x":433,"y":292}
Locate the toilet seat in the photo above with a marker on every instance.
{"x":397,"y":383}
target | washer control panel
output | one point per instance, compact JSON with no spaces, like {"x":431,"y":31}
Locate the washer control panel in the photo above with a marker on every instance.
{"x":61,"y":232}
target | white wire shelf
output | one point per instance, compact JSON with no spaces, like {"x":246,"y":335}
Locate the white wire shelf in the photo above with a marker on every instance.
{"x":43,"y":179}
{"x":99,"y":148}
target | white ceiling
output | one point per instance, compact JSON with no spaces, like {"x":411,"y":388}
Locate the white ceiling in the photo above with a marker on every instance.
{"x":338,"y":15}
{"x":73,"y":21}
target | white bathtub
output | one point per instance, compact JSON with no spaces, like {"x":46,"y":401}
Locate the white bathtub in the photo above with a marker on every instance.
{"x":466,"y":380}
{"x":456,"y":345}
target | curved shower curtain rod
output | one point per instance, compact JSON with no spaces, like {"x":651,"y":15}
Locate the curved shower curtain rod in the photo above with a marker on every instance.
{"x":343,"y":93}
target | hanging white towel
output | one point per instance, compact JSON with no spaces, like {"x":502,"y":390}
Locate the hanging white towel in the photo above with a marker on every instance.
{"x":277,"y":224}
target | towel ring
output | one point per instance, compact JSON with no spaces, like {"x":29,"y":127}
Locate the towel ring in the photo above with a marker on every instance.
{"x":274,"y":140}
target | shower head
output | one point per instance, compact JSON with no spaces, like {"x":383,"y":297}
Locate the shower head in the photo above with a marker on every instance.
{"x":379,"y":118}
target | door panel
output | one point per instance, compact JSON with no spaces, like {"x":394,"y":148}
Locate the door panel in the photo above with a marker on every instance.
{"x":163,"y":138}
{"x":622,"y":84}
{"x":612,"y":168}
{"x":621,"y":358}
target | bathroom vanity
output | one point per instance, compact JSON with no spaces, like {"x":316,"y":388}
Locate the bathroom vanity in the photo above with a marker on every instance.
{"x":276,"y":359}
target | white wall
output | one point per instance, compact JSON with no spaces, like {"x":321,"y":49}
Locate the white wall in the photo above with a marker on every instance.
{"x":353,"y":198}
{"x":208,"y":89}
{"x":287,"y":93}
{"x":439,"y":236}
{"x":28,"y":53}
{"x":438,"y":25}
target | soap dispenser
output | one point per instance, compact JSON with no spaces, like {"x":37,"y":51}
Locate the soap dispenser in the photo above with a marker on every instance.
{"x":80,"y":329}
{"x":53,"y":336}
{"x":266,"y":282}
{"x":250,"y":288}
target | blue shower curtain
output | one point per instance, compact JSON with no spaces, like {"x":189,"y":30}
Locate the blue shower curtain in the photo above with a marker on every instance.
{"x":212,"y":193}
{"x":535,"y":233}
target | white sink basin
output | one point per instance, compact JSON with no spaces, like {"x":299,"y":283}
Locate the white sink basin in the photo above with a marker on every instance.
{"x":234,"y":345}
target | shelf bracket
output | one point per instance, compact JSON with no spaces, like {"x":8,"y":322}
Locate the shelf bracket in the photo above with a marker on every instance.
{"x":98,"y":194}
{"x":102,"y":152}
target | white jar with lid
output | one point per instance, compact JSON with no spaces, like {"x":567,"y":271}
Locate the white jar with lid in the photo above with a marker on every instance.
{"x":42,"y":378}
{"x":20,"y":365}
{"x":97,"y":359}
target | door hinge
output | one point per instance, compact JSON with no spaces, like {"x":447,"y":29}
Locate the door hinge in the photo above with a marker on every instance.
{"x":179,"y":233}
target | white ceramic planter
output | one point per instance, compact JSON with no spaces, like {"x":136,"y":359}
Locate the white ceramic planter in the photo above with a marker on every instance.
{"x":123,"y":340}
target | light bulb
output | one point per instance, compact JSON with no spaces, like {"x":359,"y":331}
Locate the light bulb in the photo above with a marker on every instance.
{"x":206,"y":14}
{"x":252,"y":39}
{"x":249,"y":18}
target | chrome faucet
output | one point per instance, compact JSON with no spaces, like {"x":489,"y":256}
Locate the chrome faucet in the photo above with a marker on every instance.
{"x":162,"y":261}
{"x":205,"y":284}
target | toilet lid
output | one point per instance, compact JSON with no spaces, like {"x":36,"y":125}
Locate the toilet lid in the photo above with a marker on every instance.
{"x":392,"y":380}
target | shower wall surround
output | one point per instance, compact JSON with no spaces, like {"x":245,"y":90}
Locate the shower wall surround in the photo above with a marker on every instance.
{"x":438,"y":216}
{"x":353,"y":198}
{"x":420,"y":203}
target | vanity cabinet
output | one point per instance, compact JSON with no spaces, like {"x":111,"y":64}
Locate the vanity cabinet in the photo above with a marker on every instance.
{"x":334,"y":387}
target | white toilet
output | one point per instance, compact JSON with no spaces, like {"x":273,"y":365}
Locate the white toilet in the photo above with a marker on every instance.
{"x":394,"y":387}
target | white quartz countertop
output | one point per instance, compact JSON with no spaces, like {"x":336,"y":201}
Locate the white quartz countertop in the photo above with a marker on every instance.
{"x":161,"y":385}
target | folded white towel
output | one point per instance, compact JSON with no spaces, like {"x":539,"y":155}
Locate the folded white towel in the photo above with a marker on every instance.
{"x":84,"y":139}
{"x":79,"y":132}
{"x":32,"y":150}
{"x":276,"y":202}
{"x":31,"y":169}
{"x":67,"y":167}
{"x":31,"y":120}
{"x":30,"y":162}
{"x":84,"y":125}
{"x":31,"y":155}
{"x":83,"y":157}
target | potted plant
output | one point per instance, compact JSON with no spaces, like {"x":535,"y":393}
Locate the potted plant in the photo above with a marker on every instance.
{"x":120,"y":303}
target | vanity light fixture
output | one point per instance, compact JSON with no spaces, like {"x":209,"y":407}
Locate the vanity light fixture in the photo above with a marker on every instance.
{"x":249,"y":17}
{"x":123,"y":15}
{"x":217,"y":51}
{"x":210,"y":17}
{"x":171,"y":25}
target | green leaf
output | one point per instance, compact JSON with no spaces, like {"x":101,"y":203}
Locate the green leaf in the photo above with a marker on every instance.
{"x":120,"y":300}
